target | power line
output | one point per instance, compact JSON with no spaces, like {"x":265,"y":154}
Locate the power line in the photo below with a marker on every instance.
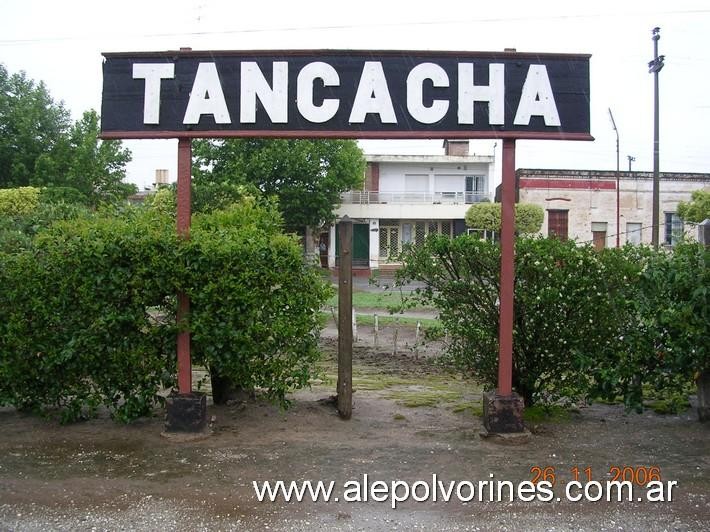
{"x":284,"y":29}
{"x":619,"y":233}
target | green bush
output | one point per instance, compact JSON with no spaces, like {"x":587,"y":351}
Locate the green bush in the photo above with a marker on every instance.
{"x":163,"y":201}
{"x":586,"y":323}
{"x":205,"y":196}
{"x":487,"y":216}
{"x":255,"y":304}
{"x":62,"y":195}
{"x":87,"y":311}
{"x":16,"y":231}
{"x":18,"y":201}
{"x":77,"y":323}
{"x":667,"y":333}
{"x":564,"y":309}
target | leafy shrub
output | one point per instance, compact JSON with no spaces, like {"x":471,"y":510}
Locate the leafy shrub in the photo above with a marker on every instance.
{"x":62,"y":195}
{"x":16,"y":231}
{"x":87,"y":311}
{"x":666,"y":345}
{"x":564,"y":311}
{"x":487,"y":216}
{"x":18,"y":201}
{"x":682,"y":308}
{"x":255,"y":304}
{"x":586,"y":323}
{"x":77,"y":325}
{"x":163,"y":201}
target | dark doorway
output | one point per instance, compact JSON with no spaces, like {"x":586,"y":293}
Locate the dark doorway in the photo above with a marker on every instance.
{"x":323,"y":249}
{"x":557,"y":224}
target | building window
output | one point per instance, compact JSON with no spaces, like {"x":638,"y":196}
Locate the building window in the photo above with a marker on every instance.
{"x":557,"y":224}
{"x":674,"y":229}
{"x":416,"y":188}
{"x":406,"y":233}
{"x":633,"y":233}
{"x":599,"y":234}
{"x":389,"y":239}
{"x":475,"y":188}
{"x":449,"y":188}
{"x":446,"y":228}
{"x":394,"y":234}
{"x":419,"y":233}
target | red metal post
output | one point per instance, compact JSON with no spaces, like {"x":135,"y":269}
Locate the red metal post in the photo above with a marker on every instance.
{"x":184,"y":365}
{"x":507,"y":270}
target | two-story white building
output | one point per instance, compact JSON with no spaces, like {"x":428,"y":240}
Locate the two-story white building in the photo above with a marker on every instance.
{"x":407,"y":197}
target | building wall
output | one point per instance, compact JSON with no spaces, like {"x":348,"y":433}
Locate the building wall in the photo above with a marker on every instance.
{"x":456,"y":147}
{"x":403,"y":211}
{"x":590,"y":196}
{"x":392,"y":176}
{"x":372,"y":176}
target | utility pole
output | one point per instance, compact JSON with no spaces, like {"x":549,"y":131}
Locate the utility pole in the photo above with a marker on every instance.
{"x":631,"y":159}
{"x":618,"y":229}
{"x":654,"y":67}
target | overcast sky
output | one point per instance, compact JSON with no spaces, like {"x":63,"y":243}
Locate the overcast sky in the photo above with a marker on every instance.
{"x":61,"y":44}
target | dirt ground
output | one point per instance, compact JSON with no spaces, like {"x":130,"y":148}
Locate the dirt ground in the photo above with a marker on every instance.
{"x":410,"y":420}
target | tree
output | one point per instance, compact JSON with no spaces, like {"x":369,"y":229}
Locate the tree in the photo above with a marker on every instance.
{"x":40,"y":146}
{"x":307,"y":176}
{"x":697,"y":209}
{"x":97,"y":168}
{"x":32,"y":125}
{"x":487,"y":217}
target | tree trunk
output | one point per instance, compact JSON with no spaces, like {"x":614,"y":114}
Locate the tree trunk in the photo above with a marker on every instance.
{"x":523,"y":390}
{"x":224,"y":389}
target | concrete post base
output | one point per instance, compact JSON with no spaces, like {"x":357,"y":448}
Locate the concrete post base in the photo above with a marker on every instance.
{"x":503,"y":414}
{"x":186,"y":412}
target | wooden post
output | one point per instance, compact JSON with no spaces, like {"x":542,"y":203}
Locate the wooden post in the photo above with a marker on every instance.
{"x":345,"y":316}
{"x":507,"y":270}
{"x":703,"y":379}
{"x":184,"y":364}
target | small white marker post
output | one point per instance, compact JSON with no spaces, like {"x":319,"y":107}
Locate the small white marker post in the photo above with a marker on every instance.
{"x":377,"y":329}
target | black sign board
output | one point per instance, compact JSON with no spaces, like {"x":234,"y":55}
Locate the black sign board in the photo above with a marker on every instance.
{"x":345,"y":94}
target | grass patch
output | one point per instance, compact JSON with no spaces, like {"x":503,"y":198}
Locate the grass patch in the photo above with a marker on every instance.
{"x":618,"y":400}
{"x":378,"y":382}
{"x":546,"y":413}
{"x":668,"y":406}
{"x":399,"y":417}
{"x":381,"y":300}
{"x":425,"y":397}
{"x":475,"y":409}
{"x":408,"y":390}
{"x":369,"y":320}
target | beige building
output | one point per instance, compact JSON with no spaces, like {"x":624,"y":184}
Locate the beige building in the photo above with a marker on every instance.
{"x":581,"y":204}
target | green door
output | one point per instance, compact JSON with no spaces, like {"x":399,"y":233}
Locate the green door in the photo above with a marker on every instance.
{"x":361,"y":245}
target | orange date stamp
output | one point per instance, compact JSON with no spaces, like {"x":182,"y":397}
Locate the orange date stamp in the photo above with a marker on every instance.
{"x":639,"y":475}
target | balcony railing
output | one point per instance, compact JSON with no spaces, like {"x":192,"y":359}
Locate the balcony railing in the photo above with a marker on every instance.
{"x":370,"y":197}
